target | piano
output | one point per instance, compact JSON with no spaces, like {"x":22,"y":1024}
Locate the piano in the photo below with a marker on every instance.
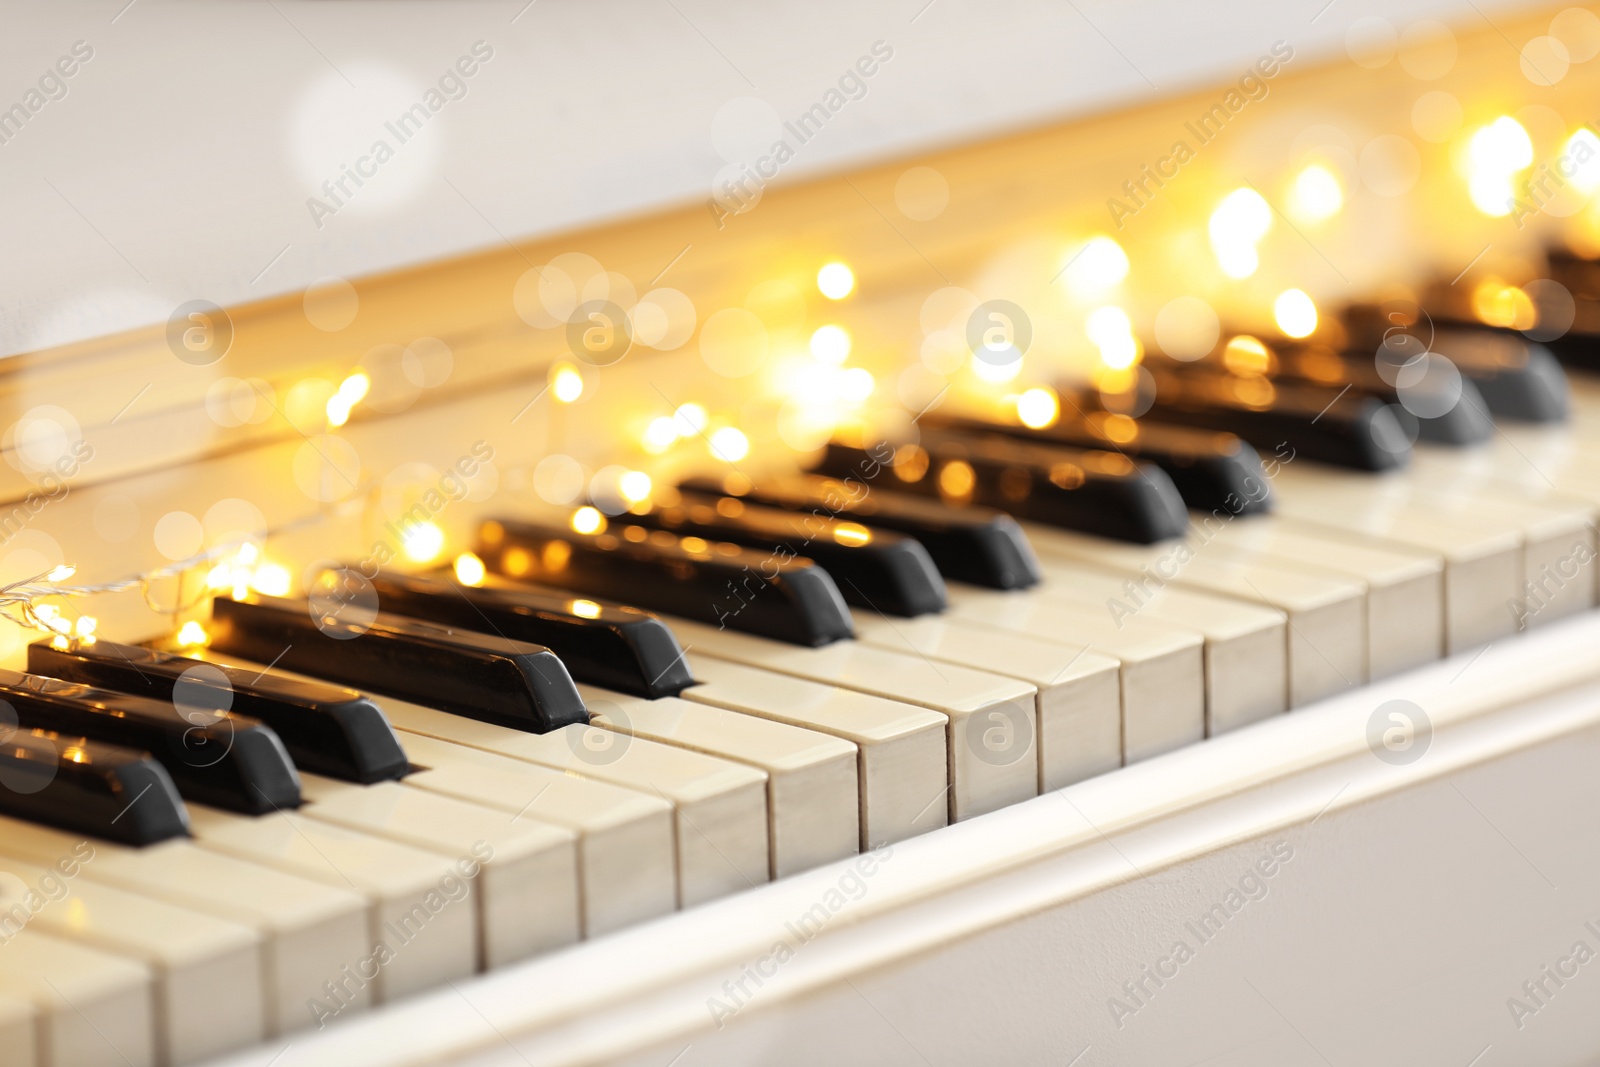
{"x":1084,"y":556}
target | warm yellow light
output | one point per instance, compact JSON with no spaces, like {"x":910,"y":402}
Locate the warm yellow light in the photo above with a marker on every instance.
{"x":566,"y":383}
{"x":1492,"y":193}
{"x":85,"y":626}
{"x":996,"y":372}
{"x":659,"y":435}
{"x":1107,"y":325}
{"x":1503,"y":147}
{"x":1316,"y":194}
{"x":192,"y":635}
{"x":248,"y":553}
{"x":61,"y":573}
{"x":835,"y":280}
{"x":220,"y":577}
{"x":730,"y":445}
{"x":1583,"y":155}
{"x":691,"y":419}
{"x":423,"y":542}
{"x":852,"y":534}
{"x":355,"y":387}
{"x":1295,"y":312}
{"x":470,"y":569}
{"x":1499,"y":304}
{"x":1246,"y":355}
{"x":831,"y":344}
{"x":956,"y":479}
{"x":588,"y":520}
{"x":856,"y":384}
{"x":271,"y":579}
{"x":1097,"y":265}
{"x":634,"y":486}
{"x":586,"y":609}
{"x":1038,"y":407}
{"x":1244,"y":217}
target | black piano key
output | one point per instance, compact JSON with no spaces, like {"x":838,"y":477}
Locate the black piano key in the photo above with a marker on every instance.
{"x":326,"y":729}
{"x":1212,"y":471}
{"x":1096,"y":492}
{"x":1340,"y":426}
{"x":86,"y":787}
{"x":1518,"y":379}
{"x":213,"y":756}
{"x":763,"y":593}
{"x":489,"y":677}
{"x":873,"y":567}
{"x":620,"y":648}
{"x":1578,"y":345}
{"x":983,"y":546}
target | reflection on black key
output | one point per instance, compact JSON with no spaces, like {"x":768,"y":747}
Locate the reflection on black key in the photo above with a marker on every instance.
{"x":327,"y":730}
{"x":1288,"y":418}
{"x":1096,"y":492}
{"x":619,"y":648}
{"x":983,"y":546}
{"x":873,"y":567}
{"x":213,"y":756}
{"x":1212,"y":471}
{"x":480,"y":676}
{"x":83,"y":786}
{"x":770,"y":594}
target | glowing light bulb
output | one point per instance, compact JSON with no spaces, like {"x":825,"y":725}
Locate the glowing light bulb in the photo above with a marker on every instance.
{"x":1492,"y":194}
{"x":355,"y":387}
{"x":1506,"y":306}
{"x":1295,"y":313}
{"x":730,"y":445}
{"x":831,"y":344}
{"x":61,"y":573}
{"x":1109,"y":328}
{"x":1238,"y":261}
{"x":85,"y":626}
{"x":470,"y":569}
{"x":192,"y":635}
{"x":1239,"y":222}
{"x":691,"y":419}
{"x":1583,"y":152}
{"x":271,"y":579}
{"x":1038,"y":407}
{"x":566,"y":382}
{"x":248,"y":553}
{"x":423,"y":542}
{"x":1502,"y":147}
{"x":659,"y":435}
{"x":856,"y":384}
{"x":634,"y":486}
{"x":586,"y":609}
{"x":588,"y":520}
{"x":1247,"y":355}
{"x":1316,"y":194}
{"x":836,"y":281}
{"x":1099,"y":264}
{"x":996,"y":372}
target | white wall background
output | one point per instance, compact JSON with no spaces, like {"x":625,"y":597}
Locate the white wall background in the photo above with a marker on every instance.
{"x":179,"y":162}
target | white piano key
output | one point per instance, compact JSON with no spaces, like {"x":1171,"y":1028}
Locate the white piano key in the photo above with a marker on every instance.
{"x":719,"y":807}
{"x":1327,"y":614}
{"x":985,"y":710}
{"x":19,"y":1045}
{"x":900,"y":747}
{"x":1160,"y":679}
{"x":419,"y":935}
{"x":626,"y":869}
{"x":94,"y":1009}
{"x":207,"y":971}
{"x":813,"y":805}
{"x":1246,"y":645}
{"x":309,"y":931}
{"x":524,"y":873}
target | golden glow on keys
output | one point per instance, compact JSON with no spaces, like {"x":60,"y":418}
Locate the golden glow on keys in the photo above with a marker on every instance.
{"x":565,"y":382}
{"x":852,"y":534}
{"x":830,"y":344}
{"x":1316,"y":194}
{"x":910,"y":463}
{"x":636,"y":534}
{"x":556,"y":555}
{"x":517,"y":562}
{"x":696,"y":545}
{"x":1120,"y":428}
{"x":586,"y":609}
{"x":1295,"y":313}
{"x":1499,"y":304}
{"x":1246,"y":355}
{"x":588,"y":520}
{"x":1038,"y":408}
{"x":835,"y":281}
{"x":730,"y":445}
{"x":956,"y":480}
{"x":469,"y":569}
{"x":423,"y":542}
{"x":1066,"y":475}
